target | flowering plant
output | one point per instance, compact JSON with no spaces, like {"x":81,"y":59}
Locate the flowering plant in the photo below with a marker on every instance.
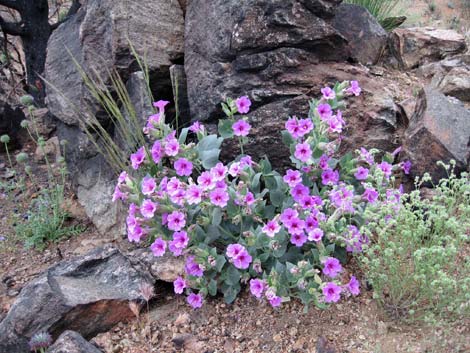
{"x":284,"y":235}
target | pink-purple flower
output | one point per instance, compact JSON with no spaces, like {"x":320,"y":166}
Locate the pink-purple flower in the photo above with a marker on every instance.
{"x":324,"y":111}
{"x":386,"y":168}
{"x":193,"y":268}
{"x":148,"y":185}
{"x":328,"y":93}
{"x":195,"y":300}
{"x":179,"y":285}
{"x":361,"y":173}
{"x":196,"y":127}
{"x":406,"y":166}
{"x":241,"y":128}
{"x":257,"y":287}
{"x":194,"y":194}
{"x":303,"y":152}
{"x":271,"y":228}
{"x":172,"y":147}
{"x":157,"y":152}
{"x":330,"y":177}
{"x":298,"y":239}
{"x":353,"y":286}
{"x":292,"y":178}
{"x":243,"y":104}
{"x":183,"y":167}
{"x":331,"y":267}
{"x":370,"y":195}
{"x":219,"y":197}
{"x":176,"y":220}
{"x":219,"y":171}
{"x":239,"y":255}
{"x":158,"y":247}
{"x":331,"y":292}
{"x":354,"y":88}
{"x":315,"y":235}
{"x":148,"y":208}
{"x":275,"y":301}
{"x":138,"y":158}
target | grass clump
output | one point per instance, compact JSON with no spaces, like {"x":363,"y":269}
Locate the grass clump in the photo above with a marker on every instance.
{"x":418,"y":262}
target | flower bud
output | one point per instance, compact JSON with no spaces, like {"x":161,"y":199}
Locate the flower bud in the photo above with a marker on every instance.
{"x":24,"y":124}
{"x":5,"y":139}
{"x":21,"y":157}
{"x":27,"y":100}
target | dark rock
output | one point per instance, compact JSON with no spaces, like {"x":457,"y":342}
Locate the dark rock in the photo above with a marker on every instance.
{"x":439,"y":131}
{"x":413,"y":47}
{"x":366,"y":37}
{"x":89,"y":295}
{"x":180,"y":93}
{"x":165,"y":268}
{"x":10,"y":119}
{"x":72,"y":342}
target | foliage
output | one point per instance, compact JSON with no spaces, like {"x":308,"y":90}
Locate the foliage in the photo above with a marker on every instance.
{"x":244,"y":222}
{"x":382,"y":10}
{"x":418,"y":260}
{"x":45,"y":219}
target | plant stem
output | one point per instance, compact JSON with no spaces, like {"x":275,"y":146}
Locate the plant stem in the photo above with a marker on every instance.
{"x":8,"y":155}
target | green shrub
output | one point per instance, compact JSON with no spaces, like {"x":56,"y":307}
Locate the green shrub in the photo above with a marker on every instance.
{"x":418,"y":260}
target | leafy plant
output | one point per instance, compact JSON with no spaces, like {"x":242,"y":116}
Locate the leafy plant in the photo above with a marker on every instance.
{"x":418,"y":260}
{"x":383,"y":10}
{"x":243,"y":222}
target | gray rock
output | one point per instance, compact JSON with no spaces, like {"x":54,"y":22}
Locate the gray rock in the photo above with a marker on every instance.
{"x":439,"y":131}
{"x":72,"y":342}
{"x":89,"y":295}
{"x":165,"y":268}
{"x":366,"y":37}
{"x":180,"y":93}
{"x":98,"y":38}
{"x":413,"y":47}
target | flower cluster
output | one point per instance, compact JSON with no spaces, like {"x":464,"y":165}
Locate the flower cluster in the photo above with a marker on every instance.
{"x":242,"y":222}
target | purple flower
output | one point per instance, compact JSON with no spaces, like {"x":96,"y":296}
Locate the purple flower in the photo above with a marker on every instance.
{"x":180,"y":239}
{"x":299,"y":192}
{"x":328,"y":93}
{"x":324,"y":111}
{"x":355,"y":240}
{"x":362,"y":173}
{"x":295,"y":226}
{"x":366,"y":156}
{"x":196,"y":127}
{"x":331,"y":267}
{"x":305,"y":126}
{"x":138,"y":158}
{"x":135,"y":234}
{"x":249,"y":199}
{"x":176,"y":220}
{"x":288,"y":214}
{"x":195,"y":300}
{"x":315,"y":235}
{"x":303,"y":152}
{"x":406,"y":166}
{"x":257,"y":287}
{"x":183,"y":167}
{"x":246,"y":162}
{"x":179,"y":285}
{"x":292,"y":178}
{"x":329,"y":177}
{"x":153,"y":121}
{"x":342,"y":198}
{"x":193,"y":268}
{"x":122,"y":177}
{"x":219,"y":171}
{"x":353,"y":286}
{"x":158,"y":247}
{"x":160,"y":104}
{"x":354,"y":88}
{"x":118,"y":194}
{"x":323,"y":162}
{"x":292,"y":126}
{"x":233,"y":250}
{"x":148,"y":186}
{"x":148,"y":208}
{"x":386,"y":168}
{"x":206,"y":181}
{"x":173,"y":186}
{"x":243,"y":104}
{"x":243,"y":260}
{"x":370,"y":195}
{"x":172,"y":147}
{"x":335,"y":123}
{"x":271,"y":228}
{"x":194,"y":195}
{"x":275,"y":301}
{"x":157,"y":152}
{"x":241,"y":128}
{"x":298,"y":239}
{"x":219,"y":197}
{"x":332,"y":292}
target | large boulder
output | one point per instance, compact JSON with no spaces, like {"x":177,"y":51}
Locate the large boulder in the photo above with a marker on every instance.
{"x":413,"y":47}
{"x":72,"y":342}
{"x":438,"y":131}
{"x":89,"y":295}
{"x":366,"y":37}
{"x":99,"y":39}
{"x":281,"y":54}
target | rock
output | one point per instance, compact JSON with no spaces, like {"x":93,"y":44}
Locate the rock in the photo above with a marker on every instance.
{"x":51,"y":150}
{"x":456,"y":83}
{"x":279,"y":54}
{"x":366,"y":37}
{"x":98,"y":38}
{"x":413,"y":47}
{"x":43,"y":120}
{"x":72,"y":342}
{"x":165,"y":268}
{"x":10,"y":119}
{"x":439,"y":131}
{"x":89,"y":295}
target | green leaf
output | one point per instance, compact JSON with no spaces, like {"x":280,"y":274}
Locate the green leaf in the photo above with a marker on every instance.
{"x":216,"y":216}
{"x":209,"y":150}
{"x":209,"y":158}
{"x":276,"y":197}
{"x":230,"y":294}
{"x":220,"y":262}
{"x":255,"y":182}
{"x":183,"y":135}
{"x":225,"y":128}
{"x":212,"y":235}
{"x":232,"y":276}
{"x":287,"y":138}
{"x":212,"y":287}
